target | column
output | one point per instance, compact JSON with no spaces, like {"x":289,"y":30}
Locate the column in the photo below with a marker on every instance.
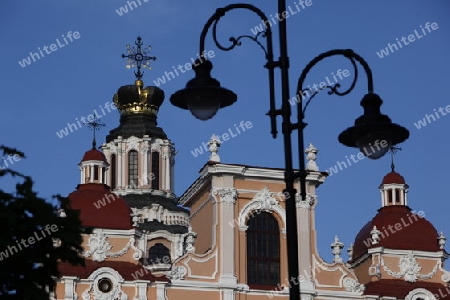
{"x":226,"y":199}
{"x":146,"y":169}
{"x":119,"y":165}
{"x":100,"y":175}
{"x":91,"y":175}
{"x":167,"y":167}
{"x":69,"y":287}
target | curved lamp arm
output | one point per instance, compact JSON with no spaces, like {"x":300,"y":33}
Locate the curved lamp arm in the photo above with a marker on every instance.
{"x":268,"y":50}
{"x":220,"y":12}
{"x":352,"y":56}
{"x":348,"y":53}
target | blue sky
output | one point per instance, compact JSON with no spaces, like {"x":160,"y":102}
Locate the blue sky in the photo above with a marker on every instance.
{"x":40,"y":99}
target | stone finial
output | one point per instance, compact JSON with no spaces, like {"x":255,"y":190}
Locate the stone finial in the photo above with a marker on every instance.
{"x":375,"y":235}
{"x":214,"y":144}
{"x":442,"y":240}
{"x":350,"y":252}
{"x":337,"y":247}
{"x":135,"y":216}
{"x":61,"y":213}
{"x":189,"y":240}
{"x":311,"y":152}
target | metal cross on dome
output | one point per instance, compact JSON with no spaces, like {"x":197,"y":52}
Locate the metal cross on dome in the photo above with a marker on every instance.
{"x":138,"y":57}
{"x":94,"y":125}
{"x":393,"y":150}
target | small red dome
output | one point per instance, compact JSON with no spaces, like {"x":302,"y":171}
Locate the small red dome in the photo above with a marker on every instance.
{"x":99,"y":207}
{"x":393,"y":177}
{"x":400,"y":229}
{"x":94,"y":154}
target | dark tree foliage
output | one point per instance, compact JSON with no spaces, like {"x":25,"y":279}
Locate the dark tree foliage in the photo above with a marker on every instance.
{"x":28,"y":269}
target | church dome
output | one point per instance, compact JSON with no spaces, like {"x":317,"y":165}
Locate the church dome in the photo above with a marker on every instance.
{"x":94,"y":154}
{"x":400,"y":229}
{"x":99,"y":207}
{"x":393,"y":177}
{"x":133,"y":99}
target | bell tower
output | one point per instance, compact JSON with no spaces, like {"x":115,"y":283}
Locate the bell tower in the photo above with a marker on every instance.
{"x":393,"y":188}
{"x":140,"y":156}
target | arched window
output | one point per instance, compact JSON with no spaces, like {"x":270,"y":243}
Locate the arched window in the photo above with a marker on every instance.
{"x":159,"y":254}
{"x":133,"y":168}
{"x":113,"y":171}
{"x":155,"y":171}
{"x":263,"y":250}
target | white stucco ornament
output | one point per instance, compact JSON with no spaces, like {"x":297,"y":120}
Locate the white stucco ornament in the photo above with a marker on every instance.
{"x":133,"y":143}
{"x":337,"y":247}
{"x":99,"y":247}
{"x":350,"y":251}
{"x":177,"y":273}
{"x":156,"y":145}
{"x":351,"y":285}
{"x":214,"y":144}
{"x":410,"y":269}
{"x":227,"y":195}
{"x":189,"y":240}
{"x":307,"y":203}
{"x":263,"y":201}
{"x":441,"y":240}
{"x":112,"y":279}
{"x":311,"y":153}
{"x":375,"y":235}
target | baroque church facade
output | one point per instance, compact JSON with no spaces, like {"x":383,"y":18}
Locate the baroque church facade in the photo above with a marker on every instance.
{"x":224,"y":238}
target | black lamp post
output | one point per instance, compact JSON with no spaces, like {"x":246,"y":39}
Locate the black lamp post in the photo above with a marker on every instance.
{"x":373,"y":132}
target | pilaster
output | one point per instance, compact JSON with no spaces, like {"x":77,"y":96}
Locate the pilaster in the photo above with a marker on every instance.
{"x":226,"y":197}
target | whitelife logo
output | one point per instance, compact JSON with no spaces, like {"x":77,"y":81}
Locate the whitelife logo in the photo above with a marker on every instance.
{"x":109,"y":106}
{"x":124,"y":9}
{"x":301,"y":96}
{"x":384,"y":233}
{"x":53,"y":47}
{"x":430,"y":118}
{"x":31,"y":240}
{"x":411,"y":38}
{"x":169,"y":75}
{"x":360,"y":156}
{"x":272,"y":21}
{"x":225,"y":137}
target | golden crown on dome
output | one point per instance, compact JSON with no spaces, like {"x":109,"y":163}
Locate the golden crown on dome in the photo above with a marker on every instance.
{"x":135,"y":99}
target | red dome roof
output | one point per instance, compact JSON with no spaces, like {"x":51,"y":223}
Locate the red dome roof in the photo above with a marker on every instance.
{"x":393,"y":177}
{"x":400,"y":229}
{"x":94,"y":154}
{"x":99,"y":207}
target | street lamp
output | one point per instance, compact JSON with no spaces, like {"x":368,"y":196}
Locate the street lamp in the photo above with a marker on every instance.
{"x":373,"y":133}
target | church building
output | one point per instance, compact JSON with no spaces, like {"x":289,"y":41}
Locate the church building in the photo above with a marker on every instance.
{"x":224,"y":238}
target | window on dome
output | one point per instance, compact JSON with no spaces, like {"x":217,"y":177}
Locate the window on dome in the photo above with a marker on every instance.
{"x":389,"y":193}
{"x":263,"y":250}
{"x":132,"y":168}
{"x":155,"y":170}
{"x":397,"y":196}
{"x":95,"y":172}
{"x":113,"y":171}
{"x":159,"y":254}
